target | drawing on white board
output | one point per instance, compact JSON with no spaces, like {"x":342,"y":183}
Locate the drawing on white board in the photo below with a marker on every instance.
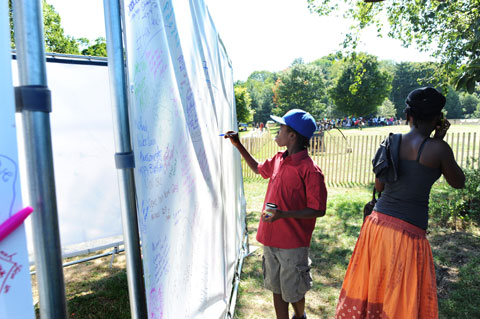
{"x":8,"y":179}
{"x":8,"y":270}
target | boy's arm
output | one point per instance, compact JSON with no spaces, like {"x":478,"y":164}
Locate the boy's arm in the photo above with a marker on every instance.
{"x":251,"y":162}
{"x":272,"y":215}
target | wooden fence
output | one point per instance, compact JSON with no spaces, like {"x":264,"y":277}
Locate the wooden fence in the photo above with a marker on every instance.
{"x":348,"y":160}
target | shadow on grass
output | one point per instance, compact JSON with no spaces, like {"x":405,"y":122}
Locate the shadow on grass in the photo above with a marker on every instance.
{"x":104,"y":297}
{"x":457,"y":267}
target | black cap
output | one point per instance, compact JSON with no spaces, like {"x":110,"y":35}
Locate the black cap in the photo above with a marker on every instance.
{"x":424,"y":103}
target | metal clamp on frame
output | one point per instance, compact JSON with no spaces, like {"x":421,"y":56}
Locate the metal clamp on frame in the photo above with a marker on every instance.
{"x":33,"y":98}
{"x":124,"y":160}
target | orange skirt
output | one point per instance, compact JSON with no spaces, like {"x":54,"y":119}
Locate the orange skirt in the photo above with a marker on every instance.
{"x":391,"y":273}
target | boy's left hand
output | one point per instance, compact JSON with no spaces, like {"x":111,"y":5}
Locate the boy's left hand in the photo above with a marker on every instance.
{"x":269,"y":216}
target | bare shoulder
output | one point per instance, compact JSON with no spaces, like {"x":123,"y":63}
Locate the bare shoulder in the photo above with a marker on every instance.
{"x":439,"y":146}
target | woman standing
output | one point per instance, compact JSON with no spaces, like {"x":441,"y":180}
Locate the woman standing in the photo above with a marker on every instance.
{"x":391,"y":272}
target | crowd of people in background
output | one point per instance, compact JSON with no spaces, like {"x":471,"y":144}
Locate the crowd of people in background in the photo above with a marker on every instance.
{"x":346,"y":122}
{"x":356,"y":122}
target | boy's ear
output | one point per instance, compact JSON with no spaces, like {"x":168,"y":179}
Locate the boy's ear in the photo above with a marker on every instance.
{"x":292,"y":135}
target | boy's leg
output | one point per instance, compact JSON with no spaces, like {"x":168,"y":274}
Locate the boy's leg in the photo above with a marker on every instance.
{"x":295,"y":277}
{"x":281,"y":306}
{"x":271,"y":273}
{"x":299,"y":308}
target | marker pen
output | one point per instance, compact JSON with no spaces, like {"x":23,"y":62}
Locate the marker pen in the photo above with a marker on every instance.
{"x":14,"y":221}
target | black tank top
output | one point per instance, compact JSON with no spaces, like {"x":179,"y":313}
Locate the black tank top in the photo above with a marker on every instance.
{"x":407,"y":198}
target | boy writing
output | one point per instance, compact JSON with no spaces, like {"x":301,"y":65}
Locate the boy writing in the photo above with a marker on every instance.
{"x":298,"y":189}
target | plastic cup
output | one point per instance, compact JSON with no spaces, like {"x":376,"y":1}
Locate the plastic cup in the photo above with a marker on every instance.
{"x":271,"y":206}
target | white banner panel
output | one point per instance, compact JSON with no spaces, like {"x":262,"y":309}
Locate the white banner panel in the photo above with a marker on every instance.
{"x":15,"y":287}
{"x":188,"y":179}
{"x":83,"y":155}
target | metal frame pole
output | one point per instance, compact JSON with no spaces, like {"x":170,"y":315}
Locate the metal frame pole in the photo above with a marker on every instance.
{"x":28,"y":26}
{"x":118,"y":91}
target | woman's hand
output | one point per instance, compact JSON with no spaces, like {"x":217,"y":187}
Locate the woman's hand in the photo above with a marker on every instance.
{"x":441,"y":130}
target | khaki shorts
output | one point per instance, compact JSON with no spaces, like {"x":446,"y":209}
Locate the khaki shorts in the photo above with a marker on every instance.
{"x":287,"y":272}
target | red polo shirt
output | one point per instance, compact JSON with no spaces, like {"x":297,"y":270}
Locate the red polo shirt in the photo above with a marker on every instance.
{"x":296,"y":182}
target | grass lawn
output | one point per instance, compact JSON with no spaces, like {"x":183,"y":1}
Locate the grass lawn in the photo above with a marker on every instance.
{"x":94,"y":290}
{"x":456,"y":256}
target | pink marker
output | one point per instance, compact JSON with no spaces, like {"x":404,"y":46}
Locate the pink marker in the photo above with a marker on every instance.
{"x":14,"y":221}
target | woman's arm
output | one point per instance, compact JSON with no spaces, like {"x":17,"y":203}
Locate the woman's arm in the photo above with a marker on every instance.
{"x":451,"y":171}
{"x":379,"y":186}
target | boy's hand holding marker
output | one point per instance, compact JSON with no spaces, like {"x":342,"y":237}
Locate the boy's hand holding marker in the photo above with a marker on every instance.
{"x":233,"y":136}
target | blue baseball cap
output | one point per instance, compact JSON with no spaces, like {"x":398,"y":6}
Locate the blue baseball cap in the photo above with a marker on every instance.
{"x":299,"y":120}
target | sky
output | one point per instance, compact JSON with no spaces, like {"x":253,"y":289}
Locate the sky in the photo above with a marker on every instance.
{"x":258,"y":34}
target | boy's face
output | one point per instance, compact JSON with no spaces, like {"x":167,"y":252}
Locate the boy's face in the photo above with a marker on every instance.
{"x":282,"y":137}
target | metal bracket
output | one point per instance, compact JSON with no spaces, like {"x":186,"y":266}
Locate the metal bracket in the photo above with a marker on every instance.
{"x":33,"y":98}
{"x":124,"y":160}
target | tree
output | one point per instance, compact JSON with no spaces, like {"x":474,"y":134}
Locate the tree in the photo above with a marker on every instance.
{"x":452,"y":105}
{"x":476,"y":113}
{"x":242,"y":101}
{"x":447,"y":29}
{"x":301,"y":87}
{"x":260,"y":87}
{"x":409,"y":76}
{"x":362,"y":87}
{"x":99,"y":48}
{"x":469,"y":103}
{"x":298,"y":61}
{"x":55,"y":38}
{"x":387,"y":109}
{"x":331,"y":66}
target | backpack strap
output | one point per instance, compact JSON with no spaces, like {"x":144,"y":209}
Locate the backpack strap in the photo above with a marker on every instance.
{"x":421,"y":148}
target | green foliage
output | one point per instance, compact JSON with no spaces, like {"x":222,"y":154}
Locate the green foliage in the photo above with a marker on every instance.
{"x":452,"y":106}
{"x":449,"y":206}
{"x":409,"y":76}
{"x":331,"y":66}
{"x":387,"y":109}
{"x":260,"y":87}
{"x":476,"y":113}
{"x":301,"y":87}
{"x":10,"y":18}
{"x":427,"y":23}
{"x":243,"y":101}
{"x":362,"y":87}
{"x":298,"y":61}
{"x":55,"y":39}
{"x":469,"y":103}
{"x":99,"y":48}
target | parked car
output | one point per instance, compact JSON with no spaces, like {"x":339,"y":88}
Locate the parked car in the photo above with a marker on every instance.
{"x":242,"y":127}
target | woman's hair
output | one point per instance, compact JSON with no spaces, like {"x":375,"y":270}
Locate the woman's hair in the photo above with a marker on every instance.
{"x":303,"y":141}
{"x":424,"y":104}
